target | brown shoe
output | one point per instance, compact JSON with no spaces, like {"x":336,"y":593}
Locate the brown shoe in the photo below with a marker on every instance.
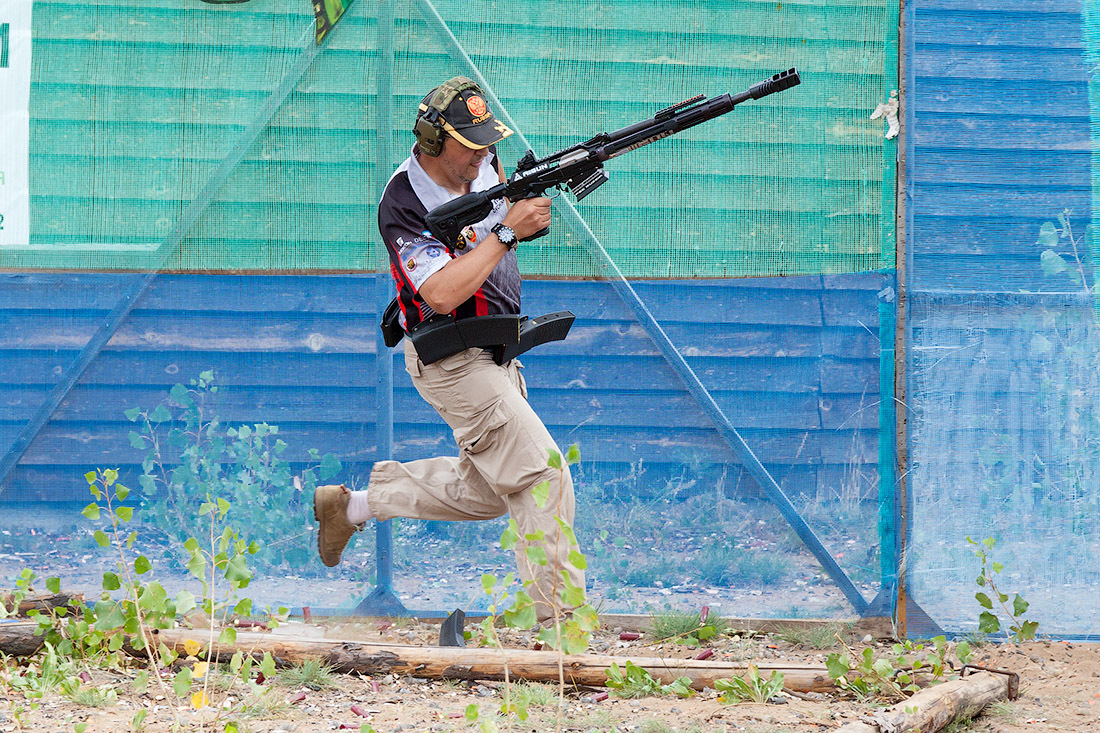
{"x":330,"y":509}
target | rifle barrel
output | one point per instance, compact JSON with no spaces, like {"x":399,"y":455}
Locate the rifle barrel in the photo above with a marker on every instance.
{"x":777,"y":83}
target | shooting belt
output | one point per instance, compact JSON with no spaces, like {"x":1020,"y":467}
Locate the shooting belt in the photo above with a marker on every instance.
{"x":507,"y":336}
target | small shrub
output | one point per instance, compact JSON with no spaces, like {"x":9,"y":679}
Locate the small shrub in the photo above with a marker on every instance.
{"x":634,"y":681}
{"x":723,"y":565}
{"x":988,"y":621}
{"x":687,"y":627}
{"x":190,"y":453}
{"x":312,"y":673}
{"x":823,"y":636}
{"x":752,"y":688}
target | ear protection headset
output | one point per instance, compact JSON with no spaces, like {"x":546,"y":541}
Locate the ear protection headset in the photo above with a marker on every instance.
{"x":429,"y":118}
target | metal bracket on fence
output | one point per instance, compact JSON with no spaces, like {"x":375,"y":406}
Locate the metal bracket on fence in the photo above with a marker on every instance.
{"x":1013,"y":678}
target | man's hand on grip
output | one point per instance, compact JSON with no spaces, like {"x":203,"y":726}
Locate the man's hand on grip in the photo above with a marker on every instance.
{"x":528,"y":216}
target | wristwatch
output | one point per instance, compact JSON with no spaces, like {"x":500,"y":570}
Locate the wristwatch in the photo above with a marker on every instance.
{"x":506,"y":235}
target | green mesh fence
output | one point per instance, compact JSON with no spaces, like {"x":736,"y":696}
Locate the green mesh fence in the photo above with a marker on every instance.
{"x":188,"y":136}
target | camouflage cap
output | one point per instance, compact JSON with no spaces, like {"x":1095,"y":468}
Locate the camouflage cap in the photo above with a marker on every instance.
{"x":465,"y":116}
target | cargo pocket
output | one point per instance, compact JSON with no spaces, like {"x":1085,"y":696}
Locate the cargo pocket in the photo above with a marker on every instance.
{"x":499,"y":447}
{"x":479,"y":435}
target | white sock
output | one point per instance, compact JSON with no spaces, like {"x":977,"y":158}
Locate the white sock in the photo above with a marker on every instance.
{"x":358,"y":509}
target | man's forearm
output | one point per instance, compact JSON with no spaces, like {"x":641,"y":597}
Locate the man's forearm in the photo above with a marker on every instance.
{"x":462,"y":276}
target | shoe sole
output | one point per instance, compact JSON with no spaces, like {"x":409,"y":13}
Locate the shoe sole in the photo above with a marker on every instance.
{"x":317,"y":511}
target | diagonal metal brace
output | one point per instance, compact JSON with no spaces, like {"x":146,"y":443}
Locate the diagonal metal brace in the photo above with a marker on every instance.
{"x":695,"y":387}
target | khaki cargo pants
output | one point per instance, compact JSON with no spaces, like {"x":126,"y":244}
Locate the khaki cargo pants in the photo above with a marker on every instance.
{"x":503,"y":449}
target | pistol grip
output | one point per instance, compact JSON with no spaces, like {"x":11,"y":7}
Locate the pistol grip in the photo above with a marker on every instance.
{"x":536,"y":235}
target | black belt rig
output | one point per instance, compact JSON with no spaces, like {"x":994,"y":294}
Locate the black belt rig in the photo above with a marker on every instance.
{"x":507,"y":336}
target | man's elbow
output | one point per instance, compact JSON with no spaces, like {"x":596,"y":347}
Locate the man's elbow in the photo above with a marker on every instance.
{"x":437,"y":299}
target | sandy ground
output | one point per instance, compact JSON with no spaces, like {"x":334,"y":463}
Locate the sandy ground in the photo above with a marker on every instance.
{"x":1059,"y":691}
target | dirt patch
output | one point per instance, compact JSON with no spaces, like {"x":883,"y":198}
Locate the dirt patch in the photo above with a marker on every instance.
{"x":1059,"y":691}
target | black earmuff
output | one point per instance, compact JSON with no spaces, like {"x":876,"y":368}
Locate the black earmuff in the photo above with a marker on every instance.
{"x":429,"y":117}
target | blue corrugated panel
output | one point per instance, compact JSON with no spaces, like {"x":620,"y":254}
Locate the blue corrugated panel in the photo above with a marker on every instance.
{"x":1000,"y":139}
{"x":1002,"y":386}
{"x":793,"y":362}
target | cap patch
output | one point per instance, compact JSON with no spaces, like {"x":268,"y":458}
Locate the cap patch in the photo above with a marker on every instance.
{"x":476,"y":105}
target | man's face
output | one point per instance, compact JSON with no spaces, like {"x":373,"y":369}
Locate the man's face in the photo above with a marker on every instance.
{"x":460,"y":161}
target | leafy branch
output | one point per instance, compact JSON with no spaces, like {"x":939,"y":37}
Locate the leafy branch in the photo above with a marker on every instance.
{"x":988,"y":621}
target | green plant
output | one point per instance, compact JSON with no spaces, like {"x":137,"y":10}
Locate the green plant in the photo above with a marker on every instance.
{"x":722,"y":564}
{"x":960,"y":725}
{"x":894,"y":676}
{"x":635,"y":681}
{"x":817,"y":636}
{"x":48,"y":672}
{"x":687,"y":627}
{"x":189,"y":452}
{"x":312,"y":673}
{"x":753,"y":687}
{"x":142,"y":605}
{"x":9,"y":604}
{"x":93,"y":697}
{"x":569,"y":632}
{"x":988,"y":621}
{"x":533,"y":695}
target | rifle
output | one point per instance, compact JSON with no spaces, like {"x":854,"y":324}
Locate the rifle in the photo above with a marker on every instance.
{"x":580,"y":167}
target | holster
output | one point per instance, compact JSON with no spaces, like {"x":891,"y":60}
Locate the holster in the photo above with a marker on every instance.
{"x":507,"y":336}
{"x":392,"y":333}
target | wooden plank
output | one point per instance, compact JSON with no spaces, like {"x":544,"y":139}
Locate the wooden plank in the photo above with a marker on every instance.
{"x":62,"y":482}
{"x":338,"y":406}
{"x":1012,"y":234}
{"x":936,"y":59}
{"x":314,"y":185}
{"x":1066,"y":171}
{"x":172,"y":143}
{"x":1052,"y":98}
{"x":75,"y":101}
{"x":168,"y":367}
{"x":177,"y":25}
{"x":1040,"y":8}
{"x":227,"y":294}
{"x":146,"y":331}
{"x":955,"y":199}
{"x":934,"y":708}
{"x":1009,"y":29}
{"x":994,"y":133}
{"x":770,"y":393}
{"x":59,"y":483}
{"x":564,"y":371}
{"x":87,"y":442}
{"x":730,"y":235}
{"x":451,"y":662}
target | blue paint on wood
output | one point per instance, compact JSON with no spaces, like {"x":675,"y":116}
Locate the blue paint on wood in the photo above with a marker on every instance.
{"x":791,"y":360}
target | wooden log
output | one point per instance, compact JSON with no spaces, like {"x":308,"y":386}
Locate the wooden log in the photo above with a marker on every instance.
{"x":18,"y":639}
{"x":487,"y":663}
{"x":877,"y":627}
{"x":40,"y":603}
{"x":935,"y":708}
